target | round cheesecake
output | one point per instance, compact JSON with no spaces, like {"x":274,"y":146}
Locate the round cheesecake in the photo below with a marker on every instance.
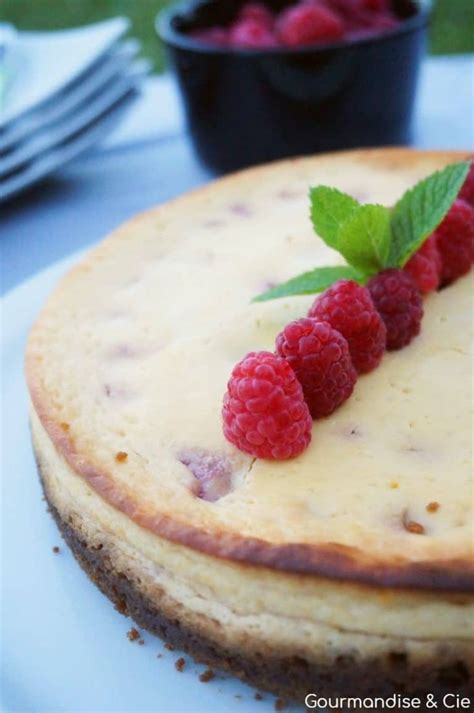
{"x":348,"y":570}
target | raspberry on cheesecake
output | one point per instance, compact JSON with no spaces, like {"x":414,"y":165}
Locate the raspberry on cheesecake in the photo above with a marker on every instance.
{"x":455,"y":241}
{"x":348,"y":307}
{"x":398,"y":301}
{"x":264,"y":410}
{"x":320,"y":359}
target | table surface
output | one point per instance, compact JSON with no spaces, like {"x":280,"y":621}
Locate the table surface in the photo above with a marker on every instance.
{"x":150,"y":160}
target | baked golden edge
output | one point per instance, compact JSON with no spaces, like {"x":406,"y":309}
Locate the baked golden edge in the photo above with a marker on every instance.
{"x":328,"y":560}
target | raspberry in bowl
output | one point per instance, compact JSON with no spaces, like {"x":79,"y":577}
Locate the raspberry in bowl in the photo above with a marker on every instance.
{"x":262,"y":81}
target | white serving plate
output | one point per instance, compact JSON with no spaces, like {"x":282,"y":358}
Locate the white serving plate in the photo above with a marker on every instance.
{"x":72,"y":146}
{"x":46,"y":63}
{"x":105,"y":71}
{"x":81,"y":117}
{"x":63,"y":646}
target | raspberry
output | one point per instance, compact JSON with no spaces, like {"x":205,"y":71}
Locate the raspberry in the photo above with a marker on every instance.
{"x":348,"y":307}
{"x":308,"y":23}
{"x":399,"y":303}
{"x":251,"y":33}
{"x":384,"y":22}
{"x":425,"y":266}
{"x":455,"y":240}
{"x":319,"y":356}
{"x":467,"y":191}
{"x":365,"y":17}
{"x":264,"y":410}
{"x":256,"y":11}
{"x":379,"y":6}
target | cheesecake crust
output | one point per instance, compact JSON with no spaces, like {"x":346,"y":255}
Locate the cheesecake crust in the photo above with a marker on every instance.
{"x":287,"y":676}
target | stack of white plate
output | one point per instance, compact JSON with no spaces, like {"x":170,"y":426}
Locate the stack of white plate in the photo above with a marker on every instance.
{"x":61,"y":93}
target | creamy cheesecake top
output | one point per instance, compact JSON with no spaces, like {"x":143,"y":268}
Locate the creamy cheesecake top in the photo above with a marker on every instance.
{"x":128,"y":363}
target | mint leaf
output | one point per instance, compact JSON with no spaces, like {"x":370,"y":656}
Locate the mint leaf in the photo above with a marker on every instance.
{"x":308,"y":283}
{"x":364,"y":238}
{"x":330,"y":208}
{"x":421,"y":209}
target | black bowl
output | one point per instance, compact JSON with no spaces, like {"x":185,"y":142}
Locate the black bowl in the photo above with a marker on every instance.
{"x":250,"y":106}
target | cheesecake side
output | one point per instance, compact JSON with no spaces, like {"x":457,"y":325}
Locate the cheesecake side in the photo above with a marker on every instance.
{"x":345,"y":639}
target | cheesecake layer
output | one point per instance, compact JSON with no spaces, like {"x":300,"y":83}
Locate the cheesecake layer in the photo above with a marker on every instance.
{"x":132,"y":354}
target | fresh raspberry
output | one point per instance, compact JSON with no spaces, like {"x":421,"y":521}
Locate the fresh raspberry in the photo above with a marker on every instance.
{"x":378,"y":6}
{"x":308,"y":23}
{"x":256,"y":11}
{"x":349,"y":10}
{"x":251,"y":33}
{"x":383,"y":22}
{"x":369,"y":26}
{"x":319,"y":356}
{"x":455,"y":240}
{"x":344,"y":8}
{"x":425,"y":266}
{"x":467,"y":191}
{"x":264,"y":410}
{"x":348,"y":307}
{"x":399,"y":303}
{"x":363,"y":18}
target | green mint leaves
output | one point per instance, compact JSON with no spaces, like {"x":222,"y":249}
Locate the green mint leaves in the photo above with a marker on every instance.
{"x":421,"y":209}
{"x":373,"y":237}
{"x":364,"y":238}
{"x":310,"y":282}
{"x":330,"y":208}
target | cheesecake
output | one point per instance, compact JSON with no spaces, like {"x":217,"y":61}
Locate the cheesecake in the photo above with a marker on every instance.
{"x":346,"y":571}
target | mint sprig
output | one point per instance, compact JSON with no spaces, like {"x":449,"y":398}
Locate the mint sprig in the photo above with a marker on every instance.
{"x":372,"y":237}
{"x":308,"y":283}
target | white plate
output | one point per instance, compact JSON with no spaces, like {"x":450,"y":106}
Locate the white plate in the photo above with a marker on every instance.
{"x":72,"y":146}
{"x":64,"y":647}
{"x":92,"y":81}
{"x":74,"y":122}
{"x":46,"y":63}
{"x":7,"y":40}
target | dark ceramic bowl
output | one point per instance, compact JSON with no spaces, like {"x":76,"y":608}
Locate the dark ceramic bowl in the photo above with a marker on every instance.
{"x":250,"y":106}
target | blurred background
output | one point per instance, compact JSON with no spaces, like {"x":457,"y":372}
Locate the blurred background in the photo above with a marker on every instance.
{"x":451,"y":32}
{"x":82,"y":110}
